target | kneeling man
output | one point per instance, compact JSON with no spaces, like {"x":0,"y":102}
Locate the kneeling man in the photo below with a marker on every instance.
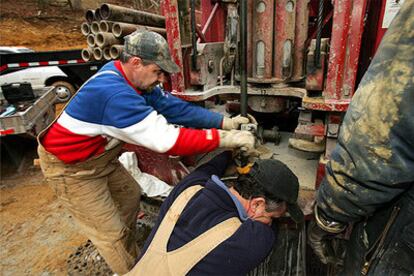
{"x":210,"y":227}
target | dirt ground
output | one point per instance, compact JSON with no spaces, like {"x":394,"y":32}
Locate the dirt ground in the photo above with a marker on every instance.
{"x":24,"y":23}
{"x":37,"y":235}
{"x":52,"y":26}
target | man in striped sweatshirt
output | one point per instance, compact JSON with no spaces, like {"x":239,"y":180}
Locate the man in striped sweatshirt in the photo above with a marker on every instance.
{"x":121,"y":103}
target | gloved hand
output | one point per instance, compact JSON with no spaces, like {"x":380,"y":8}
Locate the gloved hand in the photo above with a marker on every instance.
{"x":327,"y":245}
{"x":319,"y":240}
{"x":235,"y":122}
{"x":237,"y":139}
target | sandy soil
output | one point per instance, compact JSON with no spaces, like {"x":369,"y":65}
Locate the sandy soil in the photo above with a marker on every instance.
{"x":24,"y":23}
{"x":51,"y":26}
{"x":37,"y":233}
{"x":28,"y":35}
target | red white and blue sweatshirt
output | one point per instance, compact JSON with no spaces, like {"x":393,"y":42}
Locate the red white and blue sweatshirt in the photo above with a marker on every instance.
{"x":108,"y":109}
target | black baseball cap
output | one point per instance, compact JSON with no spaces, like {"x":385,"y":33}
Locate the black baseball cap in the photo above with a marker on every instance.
{"x":279,"y":182}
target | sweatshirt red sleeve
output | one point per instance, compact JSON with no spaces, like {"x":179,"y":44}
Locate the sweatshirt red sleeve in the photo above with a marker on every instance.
{"x":194,"y":141}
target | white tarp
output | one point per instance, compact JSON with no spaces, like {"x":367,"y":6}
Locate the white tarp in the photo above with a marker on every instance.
{"x":150,"y":185}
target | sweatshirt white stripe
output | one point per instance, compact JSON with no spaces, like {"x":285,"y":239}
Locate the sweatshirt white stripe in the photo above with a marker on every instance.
{"x":153,"y":132}
{"x":79,"y":127}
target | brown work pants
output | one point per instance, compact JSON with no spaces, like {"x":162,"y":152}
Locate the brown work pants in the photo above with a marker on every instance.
{"x":103,"y":198}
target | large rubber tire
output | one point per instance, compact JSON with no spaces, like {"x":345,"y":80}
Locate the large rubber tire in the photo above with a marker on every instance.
{"x":64,"y":90}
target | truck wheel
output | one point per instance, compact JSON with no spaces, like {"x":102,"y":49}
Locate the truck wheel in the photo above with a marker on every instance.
{"x":63,"y":90}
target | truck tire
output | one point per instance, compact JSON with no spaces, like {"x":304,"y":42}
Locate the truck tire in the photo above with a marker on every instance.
{"x":64,"y":90}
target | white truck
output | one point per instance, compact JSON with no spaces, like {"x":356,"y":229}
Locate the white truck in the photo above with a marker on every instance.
{"x":54,"y":77}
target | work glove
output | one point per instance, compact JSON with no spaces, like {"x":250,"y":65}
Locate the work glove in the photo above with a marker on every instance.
{"x":326,"y":239}
{"x":235,"y":122}
{"x":237,"y":139}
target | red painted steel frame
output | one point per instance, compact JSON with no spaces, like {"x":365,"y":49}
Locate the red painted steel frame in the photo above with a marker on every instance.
{"x":215,"y":30}
{"x":170,"y":11}
{"x":284,"y":30}
{"x":348,"y":24}
{"x":301,"y":32}
{"x":344,"y":52}
{"x":347,"y":28}
{"x":261,"y":29}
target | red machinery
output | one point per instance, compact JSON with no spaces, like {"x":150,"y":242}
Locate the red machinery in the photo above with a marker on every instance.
{"x":299,"y":62}
{"x":298,"y":51}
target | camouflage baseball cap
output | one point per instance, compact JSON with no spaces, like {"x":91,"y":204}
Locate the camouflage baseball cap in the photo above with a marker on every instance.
{"x":152,"y":47}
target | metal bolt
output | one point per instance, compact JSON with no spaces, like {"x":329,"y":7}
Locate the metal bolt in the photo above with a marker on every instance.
{"x":263,"y":103}
{"x":210,"y":65}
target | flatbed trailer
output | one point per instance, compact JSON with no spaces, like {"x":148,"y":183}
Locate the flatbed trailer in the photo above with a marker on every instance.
{"x":35,"y":117}
{"x":69,"y":61}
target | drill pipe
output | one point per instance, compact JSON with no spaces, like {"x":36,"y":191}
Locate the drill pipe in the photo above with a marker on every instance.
{"x":122,"y":14}
{"x":90,"y":40}
{"x":106,"y":39}
{"x":115,"y":51}
{"x":95,"y":27}
{"x":105,"y":26}
{"x":243,"y":58}
{"x":123,"y":29}
{"x":87,"y":54}
{"x":90,"y":16}
{"x":98,"y":15}
{"x":97,"y":53}
{"x":85,"y":28}
{"x":106,"y":53}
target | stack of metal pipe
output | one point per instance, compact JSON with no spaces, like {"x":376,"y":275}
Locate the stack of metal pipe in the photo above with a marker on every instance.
{"x":106,"y":27}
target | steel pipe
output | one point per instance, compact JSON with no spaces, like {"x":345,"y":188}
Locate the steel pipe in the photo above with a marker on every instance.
{"x":269,"y":135}
{"x":284,"y":39}
{"x":301,"y":33}
{"x":106,"y":39}
{"x":85,"y":28}
{"x":122,"y":14}
{"x":193,"y":37}
{"x":90,"y":16}
{"x":97,"y":53}
{"x":122,"y":29}
{"x":106,"y":53}
{"x":317,"y":55}
{"x":98,"y":15}
{"x":87,"y":54}
{"x":260,"y":62}
{"x":115,"y":51}
{"x":105,"y":26}
{"x":95,"y":27}
{"x":90,"y":40}
{"x":243,"y":57}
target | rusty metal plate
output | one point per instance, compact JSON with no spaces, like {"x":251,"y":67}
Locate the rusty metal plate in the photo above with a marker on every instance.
{"x":267,"y":104}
